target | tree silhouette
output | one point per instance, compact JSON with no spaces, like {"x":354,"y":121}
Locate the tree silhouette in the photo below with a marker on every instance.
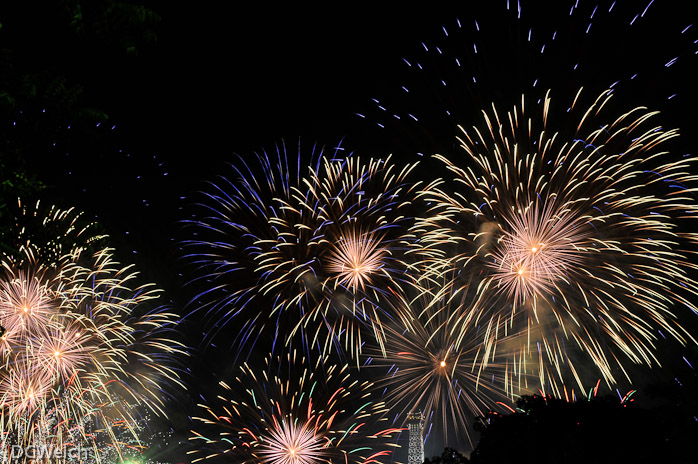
{"x":449,"y":456}
{"x":600,"y":430}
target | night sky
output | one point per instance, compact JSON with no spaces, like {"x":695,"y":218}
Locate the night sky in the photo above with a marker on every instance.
{"x":219,"y":82}
{"x":224,"y":79}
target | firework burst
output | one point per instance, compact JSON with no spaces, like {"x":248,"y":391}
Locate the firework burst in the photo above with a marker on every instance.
{"x":435,"y":368}
{"x":355,"y":259}
{"x":319,"y":249}
{"x":579,"y":240}
{"x":77,"y":334}
{"x":294,"y":412}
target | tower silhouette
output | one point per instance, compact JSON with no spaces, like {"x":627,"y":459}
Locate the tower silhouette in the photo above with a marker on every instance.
{"x":415,"y":449}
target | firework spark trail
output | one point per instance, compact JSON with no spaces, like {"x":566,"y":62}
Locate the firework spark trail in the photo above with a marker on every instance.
{"x":488,"y":53}
{"x":314,"y":251}
{"x":582,"y":234}
{"x":293,"y":412}
{"x":440,"y":370}
{"x":77,"y":334}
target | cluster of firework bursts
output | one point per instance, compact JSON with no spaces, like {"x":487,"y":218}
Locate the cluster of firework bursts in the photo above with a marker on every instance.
{"x":79,"y":343}
{"x":581,"y":244}
{"x":542,"y":256}
{"x":547,"y":257}
{"x":296,"y":411}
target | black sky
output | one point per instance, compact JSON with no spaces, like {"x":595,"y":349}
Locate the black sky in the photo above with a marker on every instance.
{"x":224,"y":78}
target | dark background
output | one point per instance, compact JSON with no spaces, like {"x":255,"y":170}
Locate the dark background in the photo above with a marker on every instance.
{"x":164,"y":103}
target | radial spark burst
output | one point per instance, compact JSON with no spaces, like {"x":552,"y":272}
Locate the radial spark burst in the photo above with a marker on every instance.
{"x":436,"y":368}
{"x":582,"y":239}
{"x":294,"y":412}
{"x":355,"y":260}
{"x":77,"y":334}
{"x":313,"y":249}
